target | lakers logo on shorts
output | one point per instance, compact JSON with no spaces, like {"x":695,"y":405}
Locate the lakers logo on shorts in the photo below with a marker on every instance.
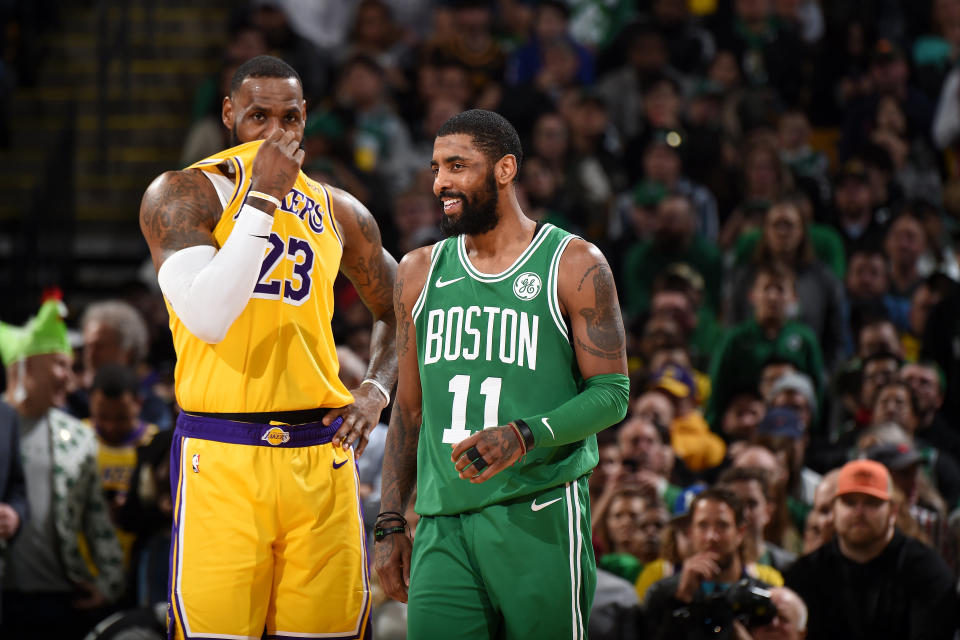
{"x":276,"y":436}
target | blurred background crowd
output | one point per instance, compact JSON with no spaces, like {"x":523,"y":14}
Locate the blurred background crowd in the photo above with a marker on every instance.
{"x":775,"y":183}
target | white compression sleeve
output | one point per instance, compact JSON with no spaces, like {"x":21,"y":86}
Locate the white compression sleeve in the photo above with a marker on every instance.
{"x":207,"y":288}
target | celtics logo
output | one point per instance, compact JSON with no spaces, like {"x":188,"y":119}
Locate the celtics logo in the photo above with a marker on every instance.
{"x":527,"y":285}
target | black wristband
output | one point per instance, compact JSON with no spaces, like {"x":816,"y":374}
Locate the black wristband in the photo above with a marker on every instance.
{"x":379,"y":533}
{"x":396,"y":515}
{"x":526,"y":433}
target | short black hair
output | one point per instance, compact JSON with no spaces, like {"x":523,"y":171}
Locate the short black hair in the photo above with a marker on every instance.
{"x":759,"y":475}
{"x":114,"y":380}
{"x":492,"y":134}
{"x":720,"y":494}
{"x":881,"y":355}
{"x":776,"y":271}
{"x":262,"y":67}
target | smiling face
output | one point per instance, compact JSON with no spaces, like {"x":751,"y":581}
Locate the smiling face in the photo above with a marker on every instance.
{"x":262,"y":105}
{"x":466,"y":185}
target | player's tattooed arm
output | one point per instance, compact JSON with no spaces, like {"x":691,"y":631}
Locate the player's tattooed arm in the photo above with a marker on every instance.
{"x":178,"y":210}
{"x":588,"y":299}
{"x":392,"y":553}
{"x":399,"y":465}
{"x":604,"y":324}
{"x":372,"y":271}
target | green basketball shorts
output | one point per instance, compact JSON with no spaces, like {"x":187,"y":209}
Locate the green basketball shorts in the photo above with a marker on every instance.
{"x":518,"y":570}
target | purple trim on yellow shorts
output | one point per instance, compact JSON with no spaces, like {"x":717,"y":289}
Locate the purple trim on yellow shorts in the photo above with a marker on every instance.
{"x":301,"y":435}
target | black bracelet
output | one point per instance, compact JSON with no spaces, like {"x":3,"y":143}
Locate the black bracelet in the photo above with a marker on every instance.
{"x":526,"y":433}
{"x":399,"y":516}
{"x":390,"y":517}
{"x":379,"y":533}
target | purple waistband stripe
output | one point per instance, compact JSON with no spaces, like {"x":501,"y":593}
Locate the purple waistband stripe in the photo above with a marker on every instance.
{"x":262,"y":435}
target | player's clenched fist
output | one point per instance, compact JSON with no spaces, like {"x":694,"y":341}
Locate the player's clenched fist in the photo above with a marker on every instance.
{"x":487,"y":453}
{"x":277,"y":164}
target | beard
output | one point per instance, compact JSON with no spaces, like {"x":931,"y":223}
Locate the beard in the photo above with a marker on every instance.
{"x":479,"y":213}
{"x":234,"y":136}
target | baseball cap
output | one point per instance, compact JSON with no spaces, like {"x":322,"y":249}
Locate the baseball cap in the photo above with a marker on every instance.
{"x":853,"y":169}
{"x":681,"y":504}
{"x":781,"y":421}
{"x":886,"y":51}
{"x":895,"y":456}
{"x":675,"y":380}
{"x":795,"y":381}
{"x":864,"y":476}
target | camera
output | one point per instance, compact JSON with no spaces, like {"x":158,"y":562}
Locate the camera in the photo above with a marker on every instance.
{"x":713,"y":616}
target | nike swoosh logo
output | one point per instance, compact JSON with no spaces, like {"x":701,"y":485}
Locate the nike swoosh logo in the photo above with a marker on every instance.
{"x":536,"y":507}
{"x":441,"y":284}
{"x":337,"y":465}
{"x":547,"y":425}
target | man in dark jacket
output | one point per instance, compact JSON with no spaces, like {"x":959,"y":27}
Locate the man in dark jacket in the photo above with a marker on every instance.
{"x":871,"y":581}
{"x":689,"y":603}
{"x":13,"y":490}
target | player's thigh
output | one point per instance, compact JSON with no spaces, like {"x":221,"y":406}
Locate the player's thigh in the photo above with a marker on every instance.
{"x":541,"y":560}
{"x":221,"y":560}
{"x":447,"y":597}
{"x":320,"y":579}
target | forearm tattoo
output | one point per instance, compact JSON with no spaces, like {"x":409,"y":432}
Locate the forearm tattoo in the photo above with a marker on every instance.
{"x":400,"y":460}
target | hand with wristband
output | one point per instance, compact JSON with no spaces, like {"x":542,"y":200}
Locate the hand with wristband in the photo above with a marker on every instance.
{"x":490,"y":451}
{"x":392,"y":538}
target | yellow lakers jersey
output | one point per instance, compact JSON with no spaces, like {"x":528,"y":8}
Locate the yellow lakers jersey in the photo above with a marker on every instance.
{"x":117,"y":462}
{"x":279,"y":354}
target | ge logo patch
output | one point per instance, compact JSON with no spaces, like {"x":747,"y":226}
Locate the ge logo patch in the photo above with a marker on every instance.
{"x":276,"y":436}
{"x":527,"y":285}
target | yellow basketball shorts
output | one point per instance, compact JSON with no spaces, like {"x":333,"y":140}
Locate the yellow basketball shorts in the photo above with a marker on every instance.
{"x":267,"y":533}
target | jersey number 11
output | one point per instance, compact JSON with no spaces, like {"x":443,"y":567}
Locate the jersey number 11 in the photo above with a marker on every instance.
{"x":460,"y":388}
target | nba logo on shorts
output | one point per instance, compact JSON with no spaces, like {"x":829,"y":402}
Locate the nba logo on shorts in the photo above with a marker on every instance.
{"x":196,"y":463}
{"x":275,"y":436}
{"x":527,"y":285}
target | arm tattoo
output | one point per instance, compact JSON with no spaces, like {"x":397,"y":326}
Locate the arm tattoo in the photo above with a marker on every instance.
{"x":400,"y":460}
{"x":368,"y":270}
{"x":604,"y":324}
{"x":178,"y":214}
{"x":368,"y":227}
{"x":403,"y":320}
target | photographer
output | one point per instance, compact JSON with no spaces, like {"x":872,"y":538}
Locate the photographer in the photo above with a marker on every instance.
{"x":714,"y":585}
{"x":789,"y":623}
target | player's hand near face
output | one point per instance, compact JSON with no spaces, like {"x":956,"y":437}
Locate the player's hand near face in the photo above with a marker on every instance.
{"x":277,"y":164}
{"x":359,"y":418}
{"x":498,"y":448}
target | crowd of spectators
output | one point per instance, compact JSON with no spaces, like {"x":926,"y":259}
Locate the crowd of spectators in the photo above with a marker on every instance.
{"x":777,"y":188}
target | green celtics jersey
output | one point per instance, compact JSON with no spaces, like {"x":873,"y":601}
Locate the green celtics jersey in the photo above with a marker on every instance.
{"x":493,"y":348}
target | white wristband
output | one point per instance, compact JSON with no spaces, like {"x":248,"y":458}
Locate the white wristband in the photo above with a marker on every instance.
{"x":383,"y":389}
{"x":264,"y":196}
